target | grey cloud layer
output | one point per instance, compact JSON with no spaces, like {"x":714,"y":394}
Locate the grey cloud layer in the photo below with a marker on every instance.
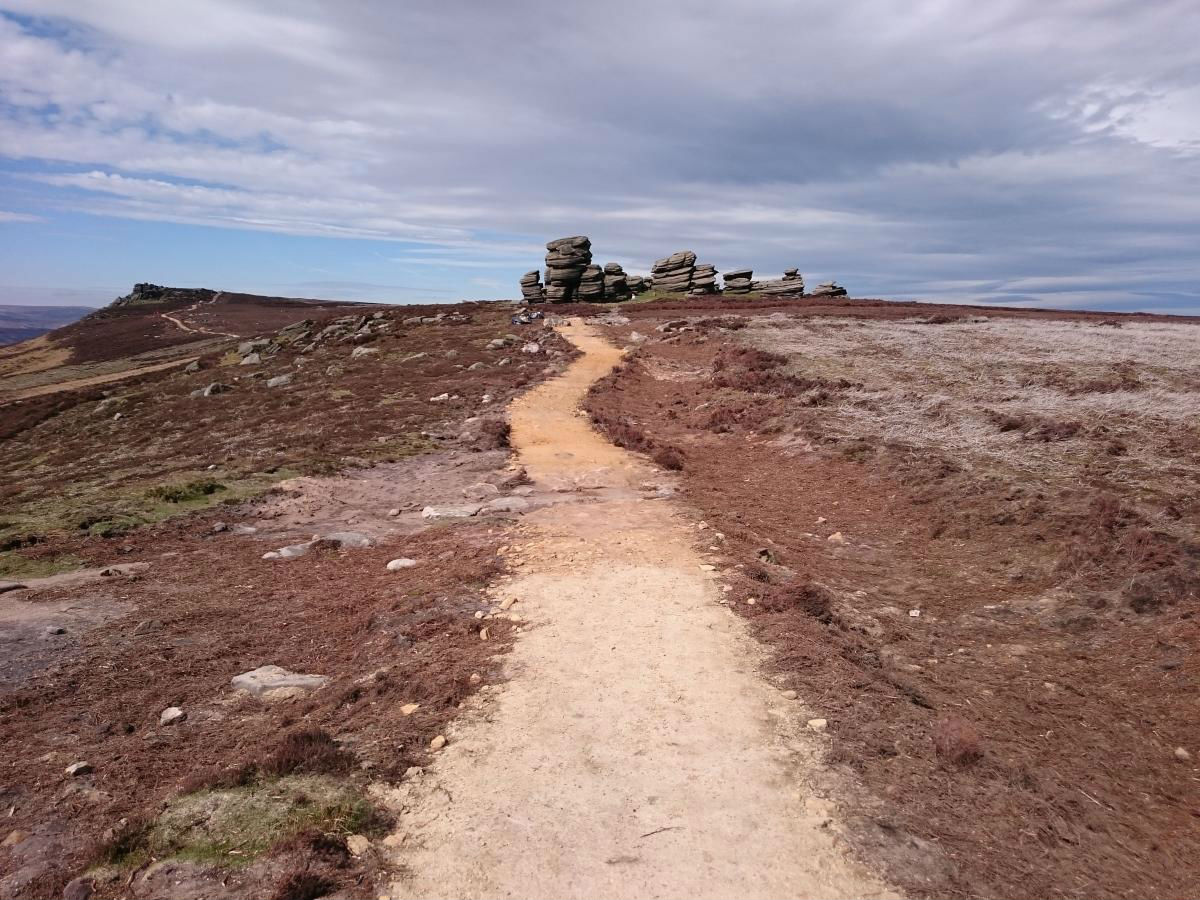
{"x":1006,"y":151}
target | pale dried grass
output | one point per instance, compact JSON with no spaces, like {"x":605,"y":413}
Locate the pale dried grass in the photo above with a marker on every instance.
{"x":1134,"y":391}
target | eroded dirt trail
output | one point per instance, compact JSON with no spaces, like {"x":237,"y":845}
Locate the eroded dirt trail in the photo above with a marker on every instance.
{"x":635,"y":752}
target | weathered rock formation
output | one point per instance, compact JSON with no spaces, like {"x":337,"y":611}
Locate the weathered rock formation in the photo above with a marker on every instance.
{"x":737,"y":281}
{"x":566,"y":261}
{"x":829,"y":289}
{"x":792,"y":282}
{"x":616,"y":283}
{"x":637,"y":284}
{"x":673,"y":274}
{"x":531,"y":287}
{"x":704,"y":279}
{"x":591,"y":285}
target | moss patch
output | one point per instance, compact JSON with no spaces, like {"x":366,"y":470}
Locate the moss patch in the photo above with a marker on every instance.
{"x":235,"y":826}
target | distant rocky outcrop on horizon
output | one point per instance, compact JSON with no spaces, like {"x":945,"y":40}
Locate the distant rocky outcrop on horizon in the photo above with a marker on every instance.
{"x":571,"y":276}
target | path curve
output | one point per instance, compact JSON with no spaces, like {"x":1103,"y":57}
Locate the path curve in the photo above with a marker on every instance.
{"x":635,"y":750}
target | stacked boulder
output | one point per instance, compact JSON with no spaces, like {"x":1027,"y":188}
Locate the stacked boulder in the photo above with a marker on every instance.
{"x":792,"y":282}
{"x":531,"y":287}
{"x":616,"y":283}
{"x":829,"y":289}
{"x":704,"y":279}
{"x":737,"y":281}
{"x":673,"y":274}
{"x":566,"y":261}
{"x":591,"y":285}
{"x":637,"y":284}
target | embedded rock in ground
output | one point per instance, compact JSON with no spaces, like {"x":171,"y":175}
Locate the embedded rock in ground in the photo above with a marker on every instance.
{"x":245,"y":348}
{"x":215,"y":388}
{"x":737,"y":281}
{"x":360,"y":352}
{"x":829,"y":289}
{"x":403,"y":562}
{"x":566,"y":261}
{"x":531,"y":287}
{"x":279,"y":381}
{"x":348,"y":539}
{"x":483,"y":490}
{"x":171,"y":715}
{"x":276,"y":682}
{"x":76,"y":769}
{"x":251,"y":359}
{"x":464,"y":511}
{"x":508,"y":504}
{"x":673,"y":274}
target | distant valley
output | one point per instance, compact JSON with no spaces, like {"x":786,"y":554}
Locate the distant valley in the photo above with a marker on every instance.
{"x":20,"y":323}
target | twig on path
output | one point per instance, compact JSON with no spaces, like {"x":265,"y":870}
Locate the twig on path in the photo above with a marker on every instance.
{"x":661,"y":830}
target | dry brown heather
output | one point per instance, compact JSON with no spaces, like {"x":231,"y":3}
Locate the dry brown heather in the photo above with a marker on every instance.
{"x":1029,"y":488}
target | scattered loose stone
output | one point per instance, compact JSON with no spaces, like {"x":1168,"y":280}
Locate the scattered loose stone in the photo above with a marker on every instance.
{"x":171,"y":715}
{"x":357,"y":844}
{"x":475,"y":678}
{"x":393,"y":512}
{"x":14,"y":837}
{"x":479,"y":613}
{"x":507,"y":602}
{"x":790,"y":695}
{"x":438,"y":742}
{"x":403,"y":563}
{"x":821,"y":520}
{"x":1182,"y":755}
{"x":484,"y":634}
{"x":360,"y":352}
{"x":439,"y":398}
{"x":250,"y":359}
{"x":279,"y":381}
{"x":836,"y":538}
{"x":817,"y":724}
{"x":409,"y":708}
{"x":76,"y":769}
{"x":52,"y":630}
{"x":914,"y":614}
{"x":414,"y":772}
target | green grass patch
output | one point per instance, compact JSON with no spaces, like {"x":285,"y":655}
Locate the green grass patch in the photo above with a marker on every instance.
{"x":16,"y":567}
{"x":182,"y":493}
{"x":233,"y":827}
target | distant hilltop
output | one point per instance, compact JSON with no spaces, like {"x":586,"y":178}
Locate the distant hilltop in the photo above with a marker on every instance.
{"x":146,"y":294}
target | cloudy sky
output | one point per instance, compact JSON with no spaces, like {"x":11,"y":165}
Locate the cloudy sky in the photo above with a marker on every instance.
{"x":1013,"y":151}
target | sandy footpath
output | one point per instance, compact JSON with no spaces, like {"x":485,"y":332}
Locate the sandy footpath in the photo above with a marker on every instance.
{"x":635,"y":751}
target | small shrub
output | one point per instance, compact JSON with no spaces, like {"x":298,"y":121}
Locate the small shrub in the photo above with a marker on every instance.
{"x":669,"y":458}
{"x":811,"y":599}
{"x":303,"y":886}
{"x":310,"y":750}
{"x":956,"y":741}
{"x":495,"y":434}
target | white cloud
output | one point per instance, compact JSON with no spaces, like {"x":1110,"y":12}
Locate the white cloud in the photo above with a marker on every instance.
{"x":955,"y":143}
